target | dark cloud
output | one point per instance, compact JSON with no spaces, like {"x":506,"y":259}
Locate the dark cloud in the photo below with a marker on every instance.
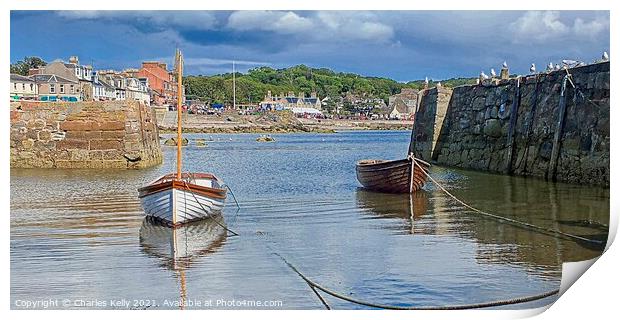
{"x":403,"y":45}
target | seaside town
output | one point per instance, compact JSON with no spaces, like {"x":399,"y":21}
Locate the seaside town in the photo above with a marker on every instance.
{"x":154,"y":84}
{"x":417,"y":177}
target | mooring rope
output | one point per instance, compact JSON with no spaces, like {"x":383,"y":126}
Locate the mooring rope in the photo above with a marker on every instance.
{"x":315,"y":285}
{"x":205,"y":210}
{"x":524,"y":224}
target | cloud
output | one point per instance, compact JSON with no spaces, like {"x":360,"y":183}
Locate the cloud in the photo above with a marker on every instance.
{"x":539,"y":25}
{"x":275,"y":21}
{"x":590,"y":29}
{"x":332,"y":26}
{"x":197,"y":20}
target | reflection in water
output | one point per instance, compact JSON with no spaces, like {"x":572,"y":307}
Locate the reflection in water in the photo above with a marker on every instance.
{"x":177,"y":247}
{"x":79,"y":238}
{"x":391,"y":205}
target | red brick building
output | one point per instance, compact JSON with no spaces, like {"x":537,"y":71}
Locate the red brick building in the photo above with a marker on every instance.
{"x":161,"y":82}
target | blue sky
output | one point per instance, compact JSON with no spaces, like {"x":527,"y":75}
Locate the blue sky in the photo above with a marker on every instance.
{"x":402,"y":45}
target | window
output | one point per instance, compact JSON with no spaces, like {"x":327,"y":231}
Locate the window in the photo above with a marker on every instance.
{"x":62,"y":88}
{"x":72,"y":88}
{"x":14,"y":85}
{"x":23,"y":86}
{"x":31,"y":87}
{"x":52,"y":88}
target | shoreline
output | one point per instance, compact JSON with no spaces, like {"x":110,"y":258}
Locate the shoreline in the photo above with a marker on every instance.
{"x":273,"y":122}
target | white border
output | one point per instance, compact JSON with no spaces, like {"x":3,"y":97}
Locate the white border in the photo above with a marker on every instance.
{"x":592,"y":297}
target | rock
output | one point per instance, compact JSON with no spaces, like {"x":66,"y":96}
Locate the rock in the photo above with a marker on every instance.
{"x":201,"y":143}
{"x":265,"y":138}
{"x":493,"y":128}
{"x":173,"y":142}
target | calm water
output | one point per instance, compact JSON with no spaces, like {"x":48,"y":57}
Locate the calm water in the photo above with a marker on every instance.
{"x":80,"y":235}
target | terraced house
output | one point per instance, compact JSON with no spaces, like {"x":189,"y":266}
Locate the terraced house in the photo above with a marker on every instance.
{"x":22,"y":87}
{"x":53,"y":87}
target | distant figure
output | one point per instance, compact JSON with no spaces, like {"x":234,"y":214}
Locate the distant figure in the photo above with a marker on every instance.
{"x":493,"y":74}
{"x":533,"y":68}
{"x":505,"y":65}
{"x":605,"y":56}
{"x":550,"y":67}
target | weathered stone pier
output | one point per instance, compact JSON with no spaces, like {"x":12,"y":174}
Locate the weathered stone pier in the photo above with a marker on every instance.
{"x":547,"y":125}
{"x":110,"y":134}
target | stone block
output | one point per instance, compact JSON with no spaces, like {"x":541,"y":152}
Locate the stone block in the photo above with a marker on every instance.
{"x":105,"y":144}
{"x":27,"y":144}
{"x":68,"y":144}
{"x":492,"y":128}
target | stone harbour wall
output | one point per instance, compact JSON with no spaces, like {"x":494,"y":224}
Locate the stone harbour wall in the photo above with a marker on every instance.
{"x":110,"y":134}
{"x":522,"y":127}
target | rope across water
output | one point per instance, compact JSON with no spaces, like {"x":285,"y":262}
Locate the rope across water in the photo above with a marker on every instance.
{"x":315,"y":287}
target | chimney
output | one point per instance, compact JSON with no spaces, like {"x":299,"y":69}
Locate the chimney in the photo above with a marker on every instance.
{"x":74,"y":60}
{"x":504,"y":74}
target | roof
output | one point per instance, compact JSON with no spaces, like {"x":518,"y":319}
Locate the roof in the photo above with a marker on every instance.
{"x":51,"y":78}
{"x":19,"y":77}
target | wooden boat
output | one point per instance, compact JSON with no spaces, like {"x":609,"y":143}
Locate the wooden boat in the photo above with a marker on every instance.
{"x":176,"y":201}
{"x":392,"y":176}
{"x":178,"y":198}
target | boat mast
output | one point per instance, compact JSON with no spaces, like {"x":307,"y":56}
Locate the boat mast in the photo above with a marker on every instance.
{"x":179,"y":61}
{"x":234,"y":89}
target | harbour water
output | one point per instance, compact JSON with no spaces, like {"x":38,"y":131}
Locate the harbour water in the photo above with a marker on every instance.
{"x":78,"y":237}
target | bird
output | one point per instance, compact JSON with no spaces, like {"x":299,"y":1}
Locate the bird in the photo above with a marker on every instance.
{"x":533,"y":68}
{"x":550,"y":67}
{"x":493,"y":74}
{"x":605,"y":56}
{"x":505,"y":65}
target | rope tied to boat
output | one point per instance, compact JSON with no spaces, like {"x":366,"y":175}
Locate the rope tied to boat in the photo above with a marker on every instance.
{"x":513,"y":221}
{"x":205,"y":210}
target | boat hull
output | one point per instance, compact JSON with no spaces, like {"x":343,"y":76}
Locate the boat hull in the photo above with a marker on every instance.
{"x":177,"y":202}
{"x":393,"y":176}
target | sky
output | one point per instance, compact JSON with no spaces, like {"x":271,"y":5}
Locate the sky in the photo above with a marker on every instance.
{"x":401,"y":45}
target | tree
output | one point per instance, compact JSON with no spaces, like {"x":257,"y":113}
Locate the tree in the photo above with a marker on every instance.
{"x":21,"y":67}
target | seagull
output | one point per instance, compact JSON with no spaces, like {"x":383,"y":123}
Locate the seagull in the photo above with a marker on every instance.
{"x":493,"y":74}
{"x":505,"y":65}
{"x":550,"y":67}
{"x":483,"y":76}
{"x":533,"y":68}
{"x":605,"y":56}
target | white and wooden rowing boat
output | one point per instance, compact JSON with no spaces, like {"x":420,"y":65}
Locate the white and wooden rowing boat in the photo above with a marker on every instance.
{"x":196,"y":196}
{"x":178,"y":198}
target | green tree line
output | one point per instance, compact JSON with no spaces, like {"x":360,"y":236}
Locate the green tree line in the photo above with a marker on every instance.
{"x":252,"y":86}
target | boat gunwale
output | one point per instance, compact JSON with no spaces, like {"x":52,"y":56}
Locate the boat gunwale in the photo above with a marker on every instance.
{"x":361,"y":164}
{"x":217,"y":193}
